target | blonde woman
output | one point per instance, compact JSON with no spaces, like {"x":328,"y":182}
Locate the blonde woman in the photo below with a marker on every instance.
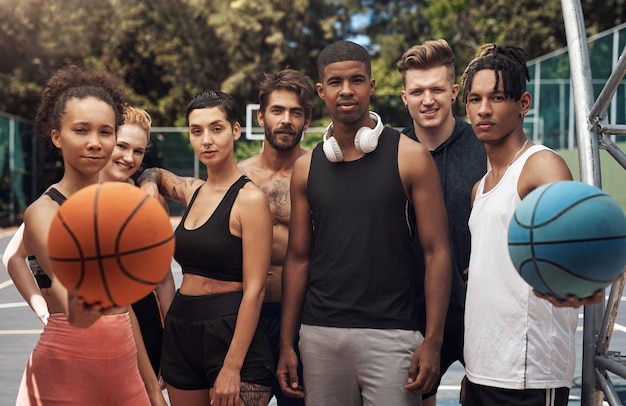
{"x":133,"y":139}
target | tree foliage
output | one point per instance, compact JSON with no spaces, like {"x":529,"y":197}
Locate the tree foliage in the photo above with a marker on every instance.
{"x":167,"y":51}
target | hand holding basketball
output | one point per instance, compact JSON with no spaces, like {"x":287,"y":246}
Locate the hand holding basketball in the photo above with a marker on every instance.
{"x":572,"y":301}
{"x":568,"y":238}
{"x":111,"y":244}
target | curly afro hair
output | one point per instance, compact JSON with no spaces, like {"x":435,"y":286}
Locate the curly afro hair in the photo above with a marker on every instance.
{"x":73,"y":81}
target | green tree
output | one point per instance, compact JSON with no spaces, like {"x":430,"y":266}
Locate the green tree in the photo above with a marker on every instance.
{"x":536,"y":26}
{"x":386,"y":100}
{"x":38,"y":36}
{"x":165,"y":52}
{"x":256,"y":37}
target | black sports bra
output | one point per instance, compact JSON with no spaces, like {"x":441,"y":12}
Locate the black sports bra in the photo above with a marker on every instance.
{"x":211,"y":250}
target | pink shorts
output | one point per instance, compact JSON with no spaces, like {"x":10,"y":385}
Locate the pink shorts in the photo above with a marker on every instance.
{"x":76,"y":366}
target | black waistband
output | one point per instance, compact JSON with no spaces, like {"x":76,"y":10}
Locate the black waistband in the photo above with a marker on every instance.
{"x":205,"y":307}
{"x":43,"y":280}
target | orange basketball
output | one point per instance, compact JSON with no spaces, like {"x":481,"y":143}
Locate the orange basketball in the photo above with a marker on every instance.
{"x":111,"y":243}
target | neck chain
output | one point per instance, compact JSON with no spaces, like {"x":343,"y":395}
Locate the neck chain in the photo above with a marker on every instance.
{"x":518,"y":152}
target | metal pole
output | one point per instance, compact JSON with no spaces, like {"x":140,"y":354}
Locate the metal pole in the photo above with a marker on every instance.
{"x":611,"y":364}
{"x":608,"y":322}
{"x":613,"y":150}
{"x":589,"y":157}
{"x":537,"y":104}
{"x":599,"y":109}
{"x":608,"y":388}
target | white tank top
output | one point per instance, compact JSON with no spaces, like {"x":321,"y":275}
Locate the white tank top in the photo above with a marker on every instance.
{"x":513,"y":339}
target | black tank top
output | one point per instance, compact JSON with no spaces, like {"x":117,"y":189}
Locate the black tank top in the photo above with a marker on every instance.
{"x":43,"y":280}
{"x":211,"y":250}
{"x":360,"y":274}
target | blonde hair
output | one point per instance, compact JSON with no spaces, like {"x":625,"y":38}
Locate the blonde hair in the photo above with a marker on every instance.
{"x":428,"y":55}
{"x":138,"y":117}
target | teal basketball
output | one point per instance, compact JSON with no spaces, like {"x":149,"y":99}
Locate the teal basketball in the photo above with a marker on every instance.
{"x":568,"y":238}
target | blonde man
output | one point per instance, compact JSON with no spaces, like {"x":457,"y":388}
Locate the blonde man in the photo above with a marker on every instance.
{"x":428,"y":77}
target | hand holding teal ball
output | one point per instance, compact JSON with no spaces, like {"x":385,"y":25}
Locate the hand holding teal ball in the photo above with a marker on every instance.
{"x":567,"y":239}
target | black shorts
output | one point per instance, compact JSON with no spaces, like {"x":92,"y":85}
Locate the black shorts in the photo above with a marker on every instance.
{"x":480,"y":395}
{"x":197,"y":335}
{"x":451,"y":351}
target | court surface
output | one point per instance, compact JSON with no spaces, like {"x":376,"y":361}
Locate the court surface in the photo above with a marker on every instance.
{"x":20,"y":329}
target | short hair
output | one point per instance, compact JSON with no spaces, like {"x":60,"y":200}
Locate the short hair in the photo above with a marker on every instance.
{"x":508,"y":60}
{"x":138,"y":117}
{"x":430,"y":54}
{"x":215,"y":98}
{"x":343,"y":51}
{"x":290,"y":80}
{"x":77,"y":82}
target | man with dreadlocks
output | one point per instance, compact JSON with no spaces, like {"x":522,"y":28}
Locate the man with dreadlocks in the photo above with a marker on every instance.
{"x":519,"y":348}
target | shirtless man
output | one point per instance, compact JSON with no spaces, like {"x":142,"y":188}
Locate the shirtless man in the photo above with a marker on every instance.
{"x":286,"y":103}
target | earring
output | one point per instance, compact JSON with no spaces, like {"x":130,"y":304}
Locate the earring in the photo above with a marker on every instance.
{"x":521,"y":115}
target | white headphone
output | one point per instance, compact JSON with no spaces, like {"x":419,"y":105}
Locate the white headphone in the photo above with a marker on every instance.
{"x":365,"y":140}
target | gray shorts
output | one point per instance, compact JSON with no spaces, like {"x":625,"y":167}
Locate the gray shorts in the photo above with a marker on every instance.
{"x":357,"y":366}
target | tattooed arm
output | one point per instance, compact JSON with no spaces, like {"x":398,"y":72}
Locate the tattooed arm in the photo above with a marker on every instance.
{"x":157,"y":181}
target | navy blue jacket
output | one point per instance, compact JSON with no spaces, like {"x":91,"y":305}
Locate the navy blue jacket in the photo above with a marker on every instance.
{"x":461,"y":161}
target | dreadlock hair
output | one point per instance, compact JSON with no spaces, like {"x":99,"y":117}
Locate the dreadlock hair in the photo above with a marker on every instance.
{"x":343,"y":51}
{"x":508,"y":60}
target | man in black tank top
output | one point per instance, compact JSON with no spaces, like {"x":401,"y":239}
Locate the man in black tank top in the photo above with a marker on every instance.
{"x":347,"y":273}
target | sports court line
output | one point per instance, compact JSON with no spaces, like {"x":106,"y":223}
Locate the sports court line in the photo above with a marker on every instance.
{"x":619,"y":327}
{"x":6,"y":283}
{"x":12,"y":305}
{"x":450,"y":387}
{"x":19,"y":332}
{"x":8,"y":233}
{"x":616,"y":326}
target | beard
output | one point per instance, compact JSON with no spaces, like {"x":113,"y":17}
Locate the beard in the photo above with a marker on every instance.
{"x":276,"y":138}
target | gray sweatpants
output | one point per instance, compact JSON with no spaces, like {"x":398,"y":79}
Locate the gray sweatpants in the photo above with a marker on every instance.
{"x":356,"y":366}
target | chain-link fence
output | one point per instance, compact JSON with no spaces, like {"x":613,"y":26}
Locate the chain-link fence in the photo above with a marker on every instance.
{"x":551,"y":120}
{"x":18,"y":165}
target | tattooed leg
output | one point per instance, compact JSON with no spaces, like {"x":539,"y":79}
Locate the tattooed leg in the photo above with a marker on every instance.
{"x":254,"y":395}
